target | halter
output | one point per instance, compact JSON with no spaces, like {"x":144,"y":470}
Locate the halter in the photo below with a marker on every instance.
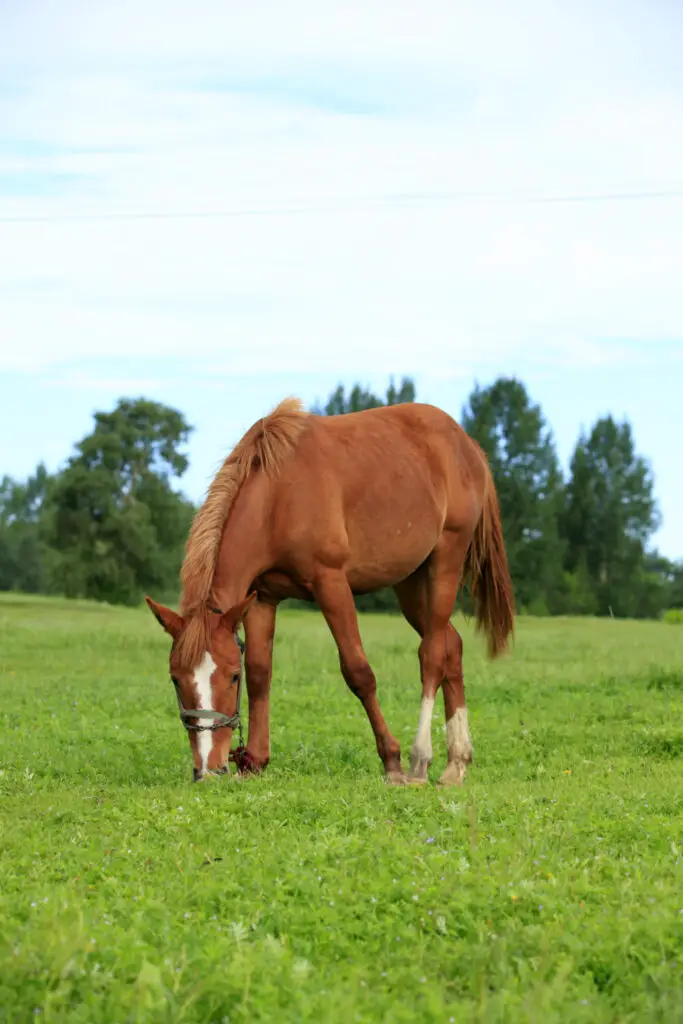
{"x":217,"y":720}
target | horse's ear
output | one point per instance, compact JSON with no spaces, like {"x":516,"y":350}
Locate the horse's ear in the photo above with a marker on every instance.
{"x":166,"y":617}
{"x":232,"y":619}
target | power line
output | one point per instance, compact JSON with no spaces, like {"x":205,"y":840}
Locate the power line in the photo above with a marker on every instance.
{"x":349,"y":204}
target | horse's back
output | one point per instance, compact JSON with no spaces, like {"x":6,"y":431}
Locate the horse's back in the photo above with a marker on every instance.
{"x":391,"y":450}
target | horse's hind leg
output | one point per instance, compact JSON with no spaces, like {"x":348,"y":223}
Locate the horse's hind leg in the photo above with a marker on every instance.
{"x":444,"y":648}
{"x":412,"y":597}
{"x":458,"y":742}
{"x":333,"y":594}
{"x":427,"y":599}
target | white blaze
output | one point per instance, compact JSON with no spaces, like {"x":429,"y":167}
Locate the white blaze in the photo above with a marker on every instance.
{"x":202,"y":682}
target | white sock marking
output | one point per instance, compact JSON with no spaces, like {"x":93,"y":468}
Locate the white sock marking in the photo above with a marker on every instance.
{"x":458,"y":737}
{"x":422,"y":747}
{"x":202,"y":682}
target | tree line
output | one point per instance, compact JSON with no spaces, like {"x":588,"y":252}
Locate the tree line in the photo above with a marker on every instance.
{"x":112,"y":523}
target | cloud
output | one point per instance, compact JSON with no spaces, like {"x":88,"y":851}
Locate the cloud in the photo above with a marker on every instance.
{"x":365,"y":186}
{"x":211,"y":204}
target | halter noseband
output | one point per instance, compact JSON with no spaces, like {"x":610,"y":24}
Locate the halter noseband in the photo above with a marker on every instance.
{"x":216,"y":719}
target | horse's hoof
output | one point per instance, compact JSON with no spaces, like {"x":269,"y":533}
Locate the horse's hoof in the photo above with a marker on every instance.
{"x":417,"y":780}
{"x":218,"y":773}
{"x":417,"y":776}
{"x":395,"y":778}
{"x":454,"y":774}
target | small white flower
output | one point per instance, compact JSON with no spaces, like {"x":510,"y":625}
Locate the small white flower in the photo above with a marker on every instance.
{"x":300,"y":968}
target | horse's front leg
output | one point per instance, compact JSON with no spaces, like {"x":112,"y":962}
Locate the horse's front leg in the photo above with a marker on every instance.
{"x":335,"y":599}
{"x":259,"y":629}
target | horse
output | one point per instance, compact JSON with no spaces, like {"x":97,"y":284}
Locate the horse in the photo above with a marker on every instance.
{"x":321,"y":509}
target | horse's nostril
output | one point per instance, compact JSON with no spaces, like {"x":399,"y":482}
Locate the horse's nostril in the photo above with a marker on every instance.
{"x":197,"y":775}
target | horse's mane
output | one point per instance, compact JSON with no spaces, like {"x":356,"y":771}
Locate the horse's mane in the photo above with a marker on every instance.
{"x":265,"y":445}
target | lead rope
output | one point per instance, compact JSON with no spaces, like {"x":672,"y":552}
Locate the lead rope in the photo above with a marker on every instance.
{"x":240,"y":734}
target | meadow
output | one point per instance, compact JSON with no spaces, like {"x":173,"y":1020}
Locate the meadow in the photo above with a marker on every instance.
{"x":548,"y":888}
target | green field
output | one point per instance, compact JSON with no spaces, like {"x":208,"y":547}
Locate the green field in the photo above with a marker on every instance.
{"x":548,"y":888}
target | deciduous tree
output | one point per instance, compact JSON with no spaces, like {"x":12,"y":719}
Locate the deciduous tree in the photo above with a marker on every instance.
{"x":114,"y":517}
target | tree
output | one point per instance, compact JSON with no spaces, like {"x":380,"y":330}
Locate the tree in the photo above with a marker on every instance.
{"x":360,"y":398}
{"x":114,"y":517}
{"x":676,"y":594}
{"x":652,"y":588}
{"x":578,"y":597}
{"x":610,"y":514}
{"x":24,"y":557}
{"x":519,"y":446}
{"x":405,"y":392}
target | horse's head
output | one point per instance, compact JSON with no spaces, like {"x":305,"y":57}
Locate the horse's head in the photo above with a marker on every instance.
{"x":206,"y":670}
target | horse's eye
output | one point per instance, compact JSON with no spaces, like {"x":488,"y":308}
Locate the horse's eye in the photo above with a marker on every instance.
{"x":235,"y":679}
{"x":175,"y":681}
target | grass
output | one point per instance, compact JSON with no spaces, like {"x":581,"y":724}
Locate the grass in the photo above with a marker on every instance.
{"x":549,"y":888}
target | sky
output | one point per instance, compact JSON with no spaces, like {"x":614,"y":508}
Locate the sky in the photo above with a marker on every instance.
{"x":220,"y":204}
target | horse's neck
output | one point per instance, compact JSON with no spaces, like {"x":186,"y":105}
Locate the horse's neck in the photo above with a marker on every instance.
{"x":243,"y":553}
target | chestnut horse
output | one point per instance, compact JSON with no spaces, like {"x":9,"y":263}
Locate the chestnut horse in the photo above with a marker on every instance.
{"x":322,"y":508}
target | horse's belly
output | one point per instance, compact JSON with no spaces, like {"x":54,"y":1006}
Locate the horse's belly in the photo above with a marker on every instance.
{"x":277,"y":586}
{"x":387,"y":556}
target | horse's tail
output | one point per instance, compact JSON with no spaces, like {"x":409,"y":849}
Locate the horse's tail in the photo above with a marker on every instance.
{"x":488,"y":574}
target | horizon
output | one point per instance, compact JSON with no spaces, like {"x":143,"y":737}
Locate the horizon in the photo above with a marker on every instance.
{"x":202,"y":466}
